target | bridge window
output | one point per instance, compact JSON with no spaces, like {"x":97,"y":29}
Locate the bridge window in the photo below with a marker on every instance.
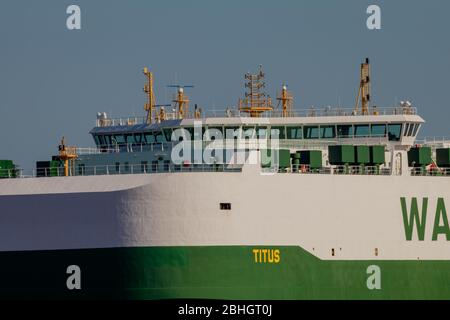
{"x":405,"y":132}
{"x":394,"y":132}
{"x":248,"y":132}
{"x":101,"y":141}
{"x":129,"y":138}
{"x":261,"y":132}
{"x":327,"y":132}
{"x":108,"y":140}
{"x":168,"y":133}
{"x":198,"y":134}
{"x":97,"y":141}
{"x":232,"y":132}
{"x":294,"y":132}
{"x":311,"y":132}
{"x":378,"y":130}
{"x":281,"y":131}
{"x":119,"y":139}
{"x":411,"y":129}
{"x":159,"y":137}
{"x":416,"y":129}
{"x":149,"y":137}
{"x":193,"y":134}
{"x":138,"y":138}
{"x":362,"y":130}
{"x":189,"y":136}
{"x":214,"y":133}
{"x":345,"y":131}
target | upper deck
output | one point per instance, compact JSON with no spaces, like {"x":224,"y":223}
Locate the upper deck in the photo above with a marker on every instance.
{"x":399,"y":125}
{"x":233,"y":115}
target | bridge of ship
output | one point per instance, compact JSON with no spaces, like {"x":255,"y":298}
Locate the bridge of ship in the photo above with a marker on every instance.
{"x":142,"y":147}
{"x":394,"y":126}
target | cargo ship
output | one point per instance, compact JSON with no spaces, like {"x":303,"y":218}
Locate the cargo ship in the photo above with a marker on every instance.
{"x":256,"y":201}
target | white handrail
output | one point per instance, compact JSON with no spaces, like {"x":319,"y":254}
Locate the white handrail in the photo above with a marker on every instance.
{"x":233,"y":112}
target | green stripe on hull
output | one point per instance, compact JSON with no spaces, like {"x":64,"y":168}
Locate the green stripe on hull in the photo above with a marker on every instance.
{"x":226,"y":272}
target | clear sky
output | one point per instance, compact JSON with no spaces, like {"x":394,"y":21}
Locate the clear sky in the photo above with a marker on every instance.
{"x":53,"y":80}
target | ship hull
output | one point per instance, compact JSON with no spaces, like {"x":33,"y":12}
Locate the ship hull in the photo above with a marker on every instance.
{"x":161,"y":236}
{"x":228,"y":272}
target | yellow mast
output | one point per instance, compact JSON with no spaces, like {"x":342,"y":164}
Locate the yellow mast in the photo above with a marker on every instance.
{"x":148,"y":89}
{"x":286,"y":102}
{"x":364,"y":88}
{"x":181,"y":103}
{"x":67,"y":154}
{"x":255,"y":101}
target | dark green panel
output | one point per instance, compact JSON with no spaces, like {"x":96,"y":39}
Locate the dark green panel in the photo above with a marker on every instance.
{"x":342,"y":154}
{"x":284,"y":158}
{"x":6,"y":164}
{"x":443,"y":157}
{"x":313,"y":158}
{"x":7,"y":169}
{"x":362,"y":154}
{"x":54,"y":166}
{"x":419,"y":156}
{"x":377,"y":155}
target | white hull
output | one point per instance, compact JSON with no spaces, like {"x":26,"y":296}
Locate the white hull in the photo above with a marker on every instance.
{"x":351,"y":214}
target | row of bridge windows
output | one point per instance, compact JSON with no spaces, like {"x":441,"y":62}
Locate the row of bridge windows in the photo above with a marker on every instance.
{"x":392,"y":131}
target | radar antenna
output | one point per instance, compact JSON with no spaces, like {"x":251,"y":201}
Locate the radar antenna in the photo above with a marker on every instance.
{"x":181,"y":100}
{"x":286,"y":99}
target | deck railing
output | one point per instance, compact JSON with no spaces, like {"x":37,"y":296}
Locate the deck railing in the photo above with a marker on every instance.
{"x":148,"y":168}
{"x":233,"y":112}
{"x":143,"y":168}
{"x":433,"y":172}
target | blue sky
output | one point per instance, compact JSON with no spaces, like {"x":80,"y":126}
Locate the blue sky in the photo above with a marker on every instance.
{"x":53,"y":81}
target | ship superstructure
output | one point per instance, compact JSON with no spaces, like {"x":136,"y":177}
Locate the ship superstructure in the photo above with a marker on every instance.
{"x":368,"y":137}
